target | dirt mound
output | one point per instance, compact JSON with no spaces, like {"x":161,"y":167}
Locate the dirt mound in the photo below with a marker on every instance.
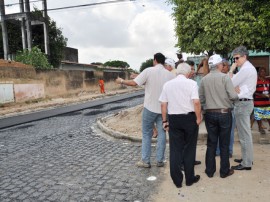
{"x":127,"y":121}
{"x":9,"y":63}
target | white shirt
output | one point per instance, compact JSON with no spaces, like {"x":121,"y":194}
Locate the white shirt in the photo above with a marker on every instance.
{"x":153,"y":78}
{"x":179,"y":93}
{"x":246,"y":79}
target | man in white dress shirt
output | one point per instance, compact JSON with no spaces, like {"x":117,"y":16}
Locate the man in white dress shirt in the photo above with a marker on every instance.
{"x":180,"y":99}
{"x":153,"y":78}
{"x":246,"y":80}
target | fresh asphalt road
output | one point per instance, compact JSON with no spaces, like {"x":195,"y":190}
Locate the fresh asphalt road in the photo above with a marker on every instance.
{"x":66,"y":158}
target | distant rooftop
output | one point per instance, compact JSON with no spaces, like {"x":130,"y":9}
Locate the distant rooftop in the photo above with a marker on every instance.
{"x":258,"y":53}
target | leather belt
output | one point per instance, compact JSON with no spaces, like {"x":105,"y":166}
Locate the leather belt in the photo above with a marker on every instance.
{"x":219,"y":110}
{"x":244,"y":99}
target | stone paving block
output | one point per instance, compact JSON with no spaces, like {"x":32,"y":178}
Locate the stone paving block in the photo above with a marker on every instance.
{"x":63,"y":159}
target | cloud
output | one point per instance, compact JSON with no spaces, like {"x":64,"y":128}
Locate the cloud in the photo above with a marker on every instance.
{"x":132,"y":31}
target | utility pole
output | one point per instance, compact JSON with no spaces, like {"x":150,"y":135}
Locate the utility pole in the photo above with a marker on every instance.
{"x":23,"y":25}
{"x":28,"y":25}
{"x":4,"y":29}
{"x":45,"y":28}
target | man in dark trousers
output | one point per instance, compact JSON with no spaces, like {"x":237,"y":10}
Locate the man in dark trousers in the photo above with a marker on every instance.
{"x":180,"y":99}
{"x":216,"y":94}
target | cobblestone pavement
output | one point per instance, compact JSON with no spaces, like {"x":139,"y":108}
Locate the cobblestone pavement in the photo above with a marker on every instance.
{"x":65,"y":158}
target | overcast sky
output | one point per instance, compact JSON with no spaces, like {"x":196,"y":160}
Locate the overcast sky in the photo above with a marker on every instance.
{"x":131,"y":31}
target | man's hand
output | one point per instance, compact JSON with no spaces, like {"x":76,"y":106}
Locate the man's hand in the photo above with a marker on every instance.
{"x":119,"y":80}
{"x":199,"y":120}
{"x":237,"y":89}
{"x":165,"y":126}
{"x":233,"y":67}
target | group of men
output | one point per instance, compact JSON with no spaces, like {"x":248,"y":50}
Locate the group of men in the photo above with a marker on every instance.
{"x":174,"y":104}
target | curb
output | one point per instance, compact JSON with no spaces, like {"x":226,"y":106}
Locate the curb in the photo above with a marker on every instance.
{"x":257,"y":138}
{"x":114,"y":133}
{"x":119,"y":135}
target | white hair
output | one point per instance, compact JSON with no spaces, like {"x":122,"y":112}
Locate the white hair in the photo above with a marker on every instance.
{"x":183,"y":68}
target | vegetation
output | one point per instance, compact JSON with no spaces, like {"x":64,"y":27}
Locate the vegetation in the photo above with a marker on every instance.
{"x":57,"y":41}
{"x":35,"y":57}
{"x":116,"y":63}
{"x":221,"y":25}
{"x":147,"y":63}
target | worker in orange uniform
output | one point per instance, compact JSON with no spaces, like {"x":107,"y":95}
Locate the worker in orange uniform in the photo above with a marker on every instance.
{"x":101,"y":85}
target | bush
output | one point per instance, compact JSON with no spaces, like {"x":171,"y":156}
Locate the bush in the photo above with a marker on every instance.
{"x":34,"y":57}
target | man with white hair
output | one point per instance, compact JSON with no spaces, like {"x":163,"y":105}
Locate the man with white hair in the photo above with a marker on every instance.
{"x":170,"y":65}
{"x":180,"y":99}
{"x":216,"y":95}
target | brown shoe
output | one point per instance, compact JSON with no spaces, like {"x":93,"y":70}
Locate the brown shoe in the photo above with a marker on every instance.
{"x":231,"y":171}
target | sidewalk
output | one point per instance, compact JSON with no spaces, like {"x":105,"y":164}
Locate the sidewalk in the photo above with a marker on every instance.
{"x":246,"y":186}
{"x":241,"y":186}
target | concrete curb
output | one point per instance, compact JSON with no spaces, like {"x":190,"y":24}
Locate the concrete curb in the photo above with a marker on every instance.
{"x":257,"y":138}
{"x":119,"y":135}
{"x":116,"y":134}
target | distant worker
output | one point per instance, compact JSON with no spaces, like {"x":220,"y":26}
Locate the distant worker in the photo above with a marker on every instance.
{"x":180,"y":58}
{"x":101,"y":85}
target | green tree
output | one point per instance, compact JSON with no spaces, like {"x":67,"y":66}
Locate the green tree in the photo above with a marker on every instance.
{"x":147,"y":63}
{"x":116,"y":63}
{"x":56,"y":39}
{"x":34,"y":57}
{"x":221,"y":25}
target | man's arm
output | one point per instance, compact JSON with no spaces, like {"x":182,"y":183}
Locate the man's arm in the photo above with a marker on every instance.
{"x":126,"y":82}
{"x":231,"y":91}
{"x":165,"y":122}
{"x":197,"y":109}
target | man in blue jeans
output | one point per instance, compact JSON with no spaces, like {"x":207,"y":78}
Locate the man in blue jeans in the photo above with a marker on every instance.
{"x":216,"y":94}
{"x":153,"y":78}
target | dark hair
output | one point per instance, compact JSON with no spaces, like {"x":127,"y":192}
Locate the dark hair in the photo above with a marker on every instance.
{"x":179,"y":56}
{"x":160,"y":58}
{"x":190,"y":62}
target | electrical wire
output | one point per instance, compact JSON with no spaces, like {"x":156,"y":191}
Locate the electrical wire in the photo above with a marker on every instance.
{"x":13,"y":4}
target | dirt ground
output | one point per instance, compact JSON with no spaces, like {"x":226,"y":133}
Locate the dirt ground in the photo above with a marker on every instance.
{"x":243,"y":186}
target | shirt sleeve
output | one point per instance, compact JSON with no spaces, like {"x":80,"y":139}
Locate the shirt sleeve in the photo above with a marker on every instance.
{"x":195,"y":94}
{"x":141,"y":78}
{"x":202,"y":93}
{"x":230,"y":88}
{"x":163,"y":95}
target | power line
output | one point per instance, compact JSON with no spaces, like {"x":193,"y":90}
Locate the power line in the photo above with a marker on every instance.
{"x":8,"y":5}
{"x":91,"y":4}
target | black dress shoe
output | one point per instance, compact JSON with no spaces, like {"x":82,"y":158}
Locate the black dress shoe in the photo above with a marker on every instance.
{"x":178,"y":186}
{"x":197,"y":163}
{"x":240,"y":167}
{"x":231,"y":171}
{"x":195,"y":180}
{"x":238,"y":160}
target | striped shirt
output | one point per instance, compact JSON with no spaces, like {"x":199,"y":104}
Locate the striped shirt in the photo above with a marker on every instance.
{"x":262,"y":87}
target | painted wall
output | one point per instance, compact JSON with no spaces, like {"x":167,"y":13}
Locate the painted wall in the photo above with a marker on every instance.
{"x":6,"y":93}
{"x":24,"y":92}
